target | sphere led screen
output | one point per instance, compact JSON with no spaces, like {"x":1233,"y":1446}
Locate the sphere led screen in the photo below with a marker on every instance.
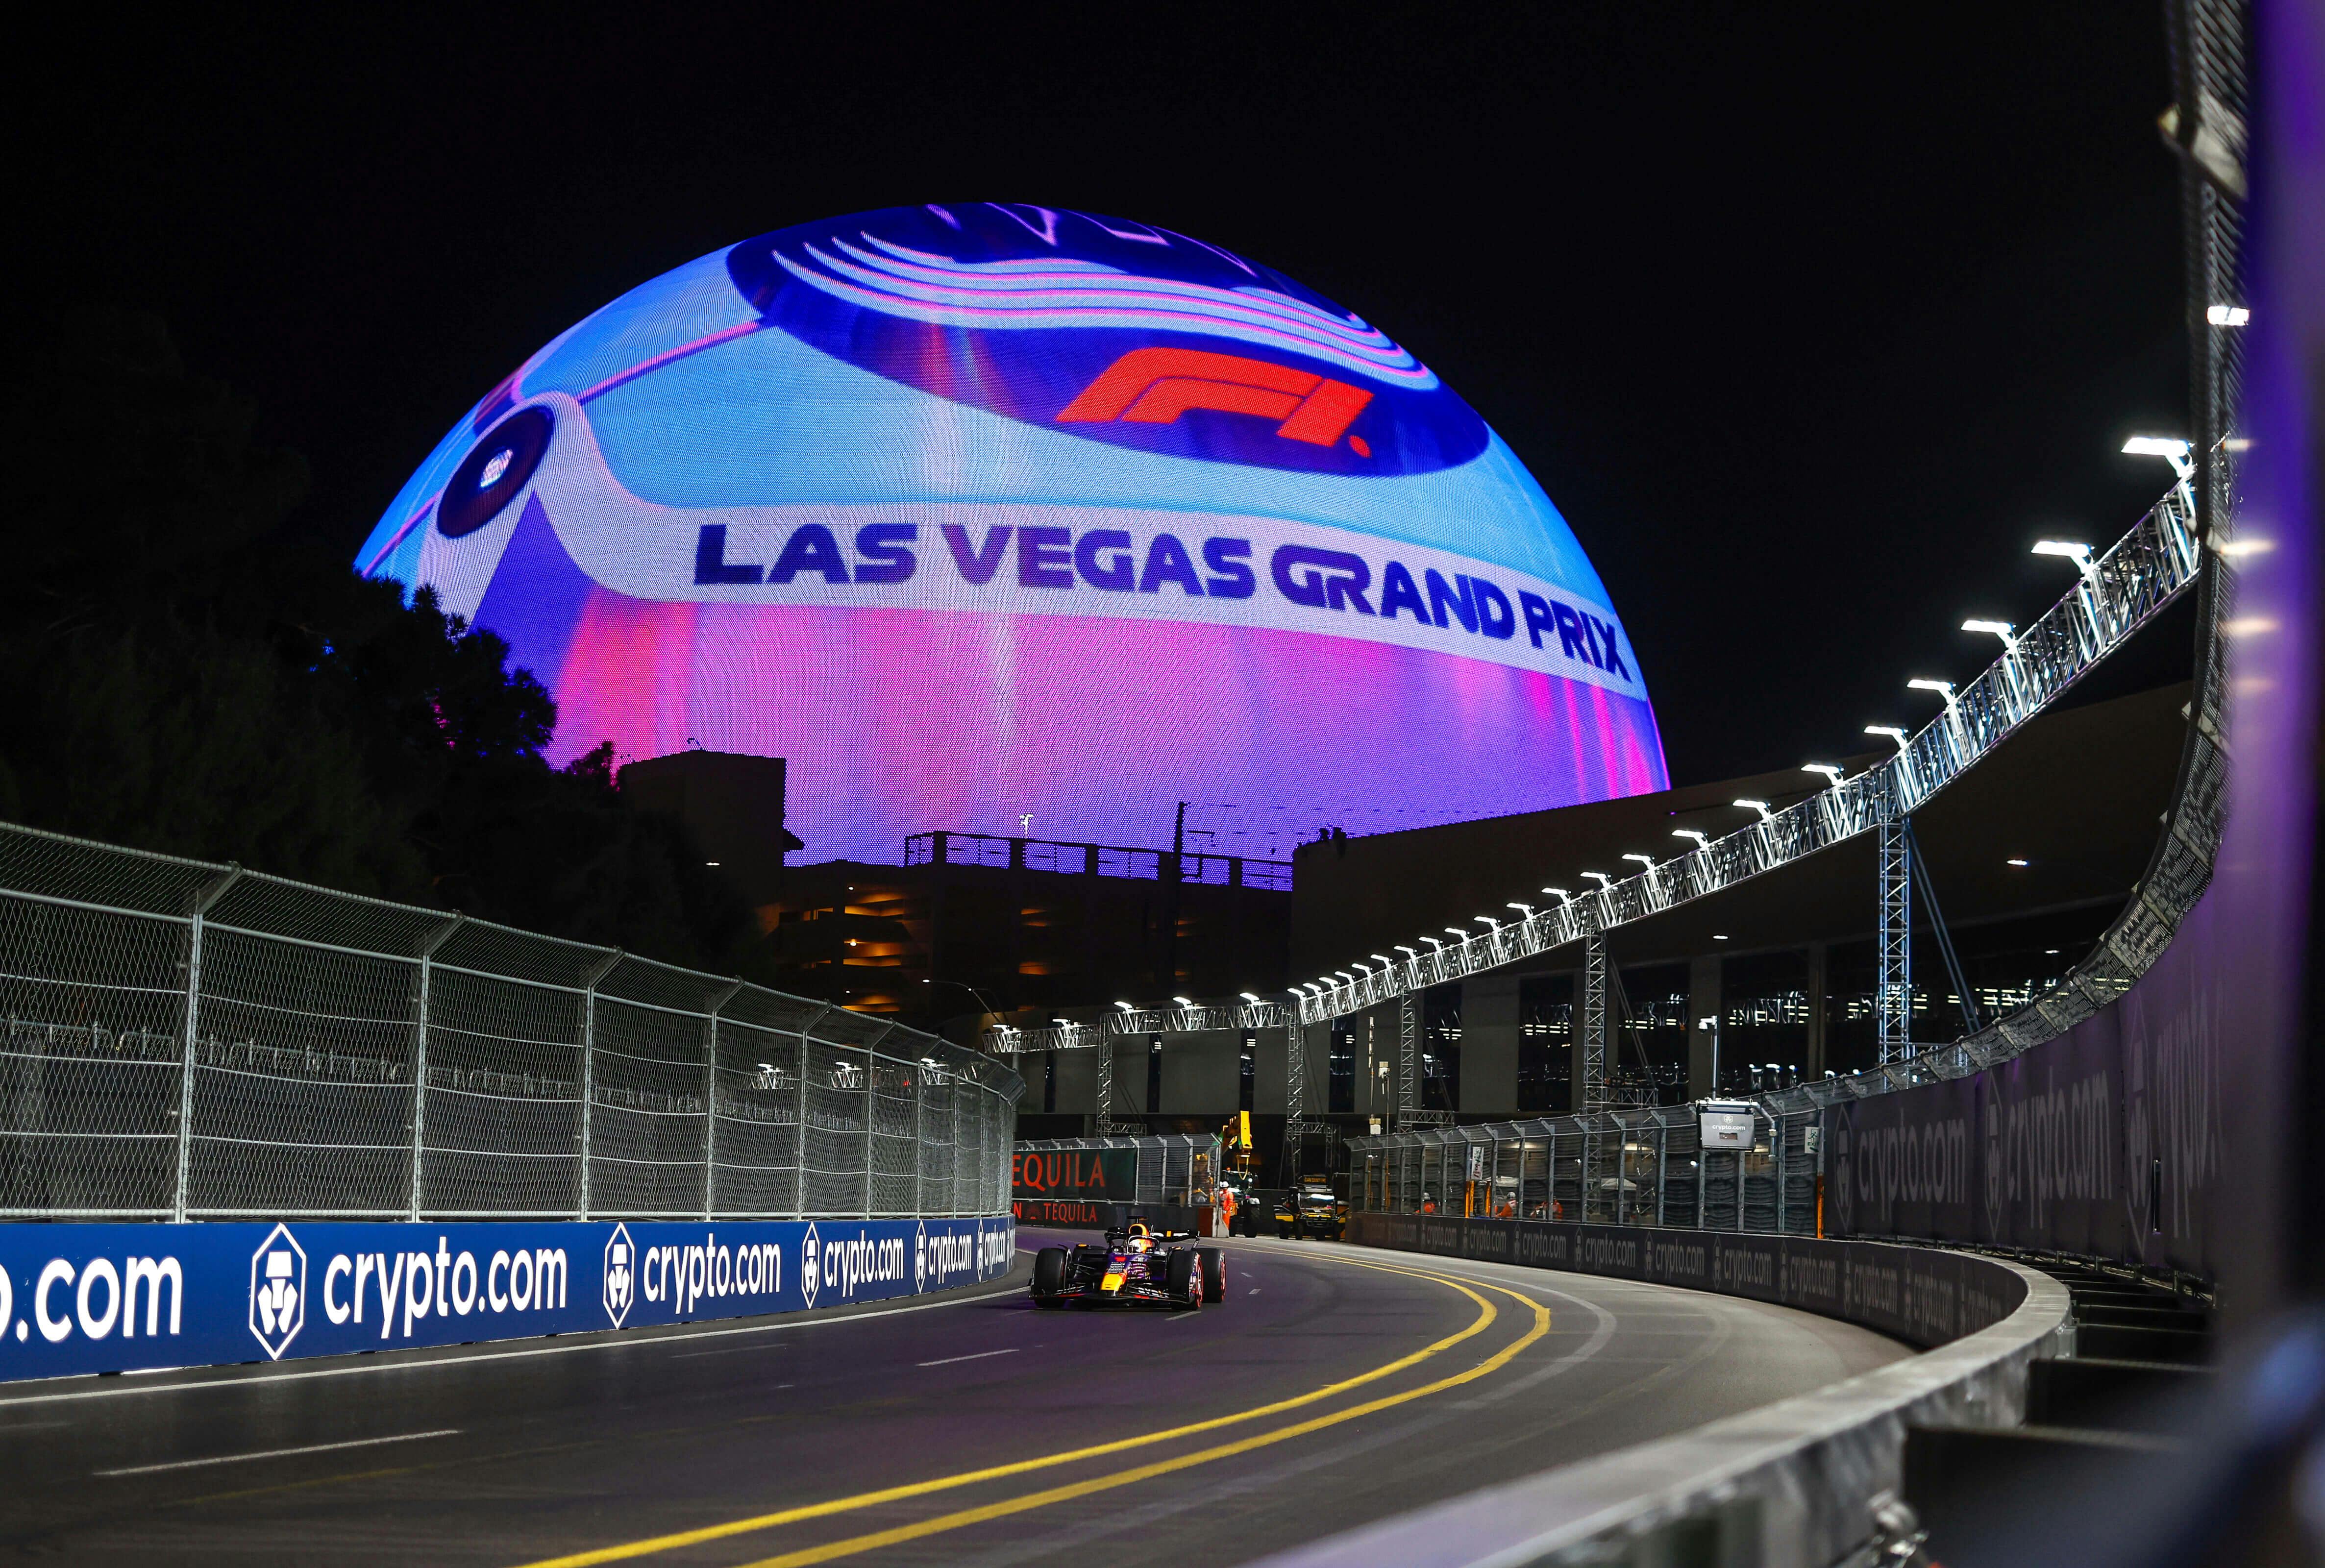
{"x":981,"y":512}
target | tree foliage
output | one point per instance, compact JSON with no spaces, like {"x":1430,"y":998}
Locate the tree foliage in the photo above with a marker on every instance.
{"x":190,"y":671}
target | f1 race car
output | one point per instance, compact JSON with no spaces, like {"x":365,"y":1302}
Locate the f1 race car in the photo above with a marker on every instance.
{"x":1136,"y":1266}
{"x":1310,"y":1210}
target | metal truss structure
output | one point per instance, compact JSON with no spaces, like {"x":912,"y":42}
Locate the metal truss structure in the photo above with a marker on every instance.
{"x":2118,"y":593}
{"x":1594,"y":1023}
{"x":1893,"y":983}
{"x":1408,"y":1059}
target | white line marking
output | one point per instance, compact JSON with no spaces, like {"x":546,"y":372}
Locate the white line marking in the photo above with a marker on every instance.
{"x":123,"y":1390}
{"x":279,"y":1453}
{"x":948,"y":1361}
{"x":729,"y":1351}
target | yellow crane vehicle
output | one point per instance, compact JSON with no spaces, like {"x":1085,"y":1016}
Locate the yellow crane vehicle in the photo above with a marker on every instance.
{"x":1238,"y":1177}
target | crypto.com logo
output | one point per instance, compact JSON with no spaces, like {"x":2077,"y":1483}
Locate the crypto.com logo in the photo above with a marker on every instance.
{"x":1154,"y":386}
{"x":811,"y":1272}
{"x":278,"y":1291}
{"x":621,"y":1286}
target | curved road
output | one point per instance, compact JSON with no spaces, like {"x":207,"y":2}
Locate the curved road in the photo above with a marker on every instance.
{"x":1336,"y":1386}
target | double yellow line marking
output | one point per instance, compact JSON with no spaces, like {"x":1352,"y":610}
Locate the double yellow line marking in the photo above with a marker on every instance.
{"x":1487,"y":1313}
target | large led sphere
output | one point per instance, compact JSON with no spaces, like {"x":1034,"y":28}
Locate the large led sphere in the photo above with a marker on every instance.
{"x":1004,"y":519}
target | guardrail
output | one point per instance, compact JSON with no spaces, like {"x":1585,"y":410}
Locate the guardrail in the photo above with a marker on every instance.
{"x":1799,"y":1482}
{"x":184,"y":1040}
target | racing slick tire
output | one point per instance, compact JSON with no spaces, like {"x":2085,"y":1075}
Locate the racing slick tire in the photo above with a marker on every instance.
{"x":1049,"y":1277}
{"x":1214,"y":1273}
{"x":1186,"y":1288}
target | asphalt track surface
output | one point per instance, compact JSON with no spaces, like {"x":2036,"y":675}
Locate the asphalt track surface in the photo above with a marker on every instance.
{"x":1336,"y":1386}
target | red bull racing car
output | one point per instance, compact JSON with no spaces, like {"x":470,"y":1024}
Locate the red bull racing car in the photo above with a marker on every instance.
{"x":1135,"y":1266}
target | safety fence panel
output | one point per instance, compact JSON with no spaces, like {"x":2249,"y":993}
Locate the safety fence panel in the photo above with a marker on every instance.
{"x":180,"y":1040}
{"x":1628,"y":1168}
{"x":1175,"y":1167}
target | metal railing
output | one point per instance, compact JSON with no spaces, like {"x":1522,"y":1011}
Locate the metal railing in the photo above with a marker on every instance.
{"x":1075,"y":858}
{"x":185,"y":1040}
{"x":1615,"y":1167}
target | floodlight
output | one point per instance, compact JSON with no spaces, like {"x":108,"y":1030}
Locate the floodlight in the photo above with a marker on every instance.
{"x":1247,"y":996}
{"x":1063,"y":1022}
{"x":1489,"y":919}
{"x":1759,"y":805}
{"x":1891,"y":730}
{"x":1944,"y":688}
{"x":1525,"y":910}
{"x":2001,"y":629}
{"x":2226,"y":314}
{"x":1647,"y":861}
{"x":1457,"y":931}
{"x":1601,"y":878}
{"x":2080,"y":554}
{"x":1562,"y":894}
{"x":1125,"y":1007}
{"x":1435,"y":944}
{"x":1408,"y":952}
{"x":2165,"y":447}
{"x":1832,"y":774}
{"x":1701,"y":838}
{"x":1184,"y":1000}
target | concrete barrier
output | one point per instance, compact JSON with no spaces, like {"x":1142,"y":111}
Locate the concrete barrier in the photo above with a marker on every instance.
{"x":1794,"y":1482}
{"x":1922,"y":1295}
{"x":124,"y":1297}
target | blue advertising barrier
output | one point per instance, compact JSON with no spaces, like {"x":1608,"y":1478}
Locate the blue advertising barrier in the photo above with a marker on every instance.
{"x":107,"y":1299}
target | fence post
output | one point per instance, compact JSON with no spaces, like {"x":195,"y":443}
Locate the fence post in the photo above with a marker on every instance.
{"x":920,"y":1137}
{"x":1779,"y":1123}
{"x":209,"y":895}
{"x":420,"y":1060}
{"x":1662,"y":1166}
{"x":1702,"y":1178}
{"x":589,"y":1068}
{"x":799,"y":1157}
{"x":1622,"y":1171}
{"x":711,"y":1100}
{"x":871,"y":1103}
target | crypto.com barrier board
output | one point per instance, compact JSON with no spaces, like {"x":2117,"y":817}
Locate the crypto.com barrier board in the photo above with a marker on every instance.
{"x":107,"y":1299}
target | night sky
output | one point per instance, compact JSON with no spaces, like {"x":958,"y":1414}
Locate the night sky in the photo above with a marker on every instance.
{"x":1810,"y":324}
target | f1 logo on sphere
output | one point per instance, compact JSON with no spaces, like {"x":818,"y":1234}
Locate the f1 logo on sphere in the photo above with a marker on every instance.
{"x":920,"y":1258}
{"x":1154,"y":386}
{"x":621,"y":1275}
{"x":278,"y":1291}
{"x":811,"y":1261}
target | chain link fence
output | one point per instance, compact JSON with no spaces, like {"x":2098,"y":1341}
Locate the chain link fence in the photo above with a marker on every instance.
{"x":1620,"y":1168}
{"x":193,"y":1041}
